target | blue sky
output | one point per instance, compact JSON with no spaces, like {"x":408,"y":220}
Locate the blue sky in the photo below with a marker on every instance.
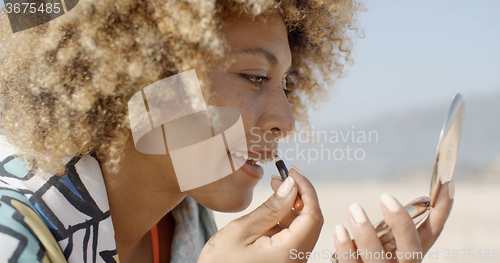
{"x":417,"y":54}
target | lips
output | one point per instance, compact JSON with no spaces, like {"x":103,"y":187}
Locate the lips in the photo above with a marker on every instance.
{"x":247,"y":165}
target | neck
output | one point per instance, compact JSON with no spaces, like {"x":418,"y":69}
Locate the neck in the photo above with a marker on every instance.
{"x":140,"y":195}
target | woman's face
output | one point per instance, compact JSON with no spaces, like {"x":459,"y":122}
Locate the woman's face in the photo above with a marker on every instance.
{"x":253,"y":84}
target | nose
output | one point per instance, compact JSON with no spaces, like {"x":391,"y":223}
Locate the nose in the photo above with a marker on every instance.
{"x":277,"y":116}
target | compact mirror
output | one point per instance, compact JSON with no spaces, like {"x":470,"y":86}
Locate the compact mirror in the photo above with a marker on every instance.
{"x":444,"y":165}
{"x":447,"y":150}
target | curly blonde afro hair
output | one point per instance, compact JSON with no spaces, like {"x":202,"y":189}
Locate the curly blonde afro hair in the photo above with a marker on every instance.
{"x":65,"y":84}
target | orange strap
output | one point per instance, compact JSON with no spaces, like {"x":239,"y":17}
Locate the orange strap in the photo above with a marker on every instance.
{"x":156,"y":244}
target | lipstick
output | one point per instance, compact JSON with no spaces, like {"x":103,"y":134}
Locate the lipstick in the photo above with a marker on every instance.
{"x":281,"y":167}
{"x":280,"y":164}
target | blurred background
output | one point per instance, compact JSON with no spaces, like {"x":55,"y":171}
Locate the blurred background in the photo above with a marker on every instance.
{"x":415,"y":56}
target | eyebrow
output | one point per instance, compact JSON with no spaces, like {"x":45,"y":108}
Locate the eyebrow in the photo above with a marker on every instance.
{"x":270,"y":57}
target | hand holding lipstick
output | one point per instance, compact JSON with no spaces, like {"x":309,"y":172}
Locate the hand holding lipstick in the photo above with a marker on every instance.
{"x":280,"y":164}
{"x":270,"y":232}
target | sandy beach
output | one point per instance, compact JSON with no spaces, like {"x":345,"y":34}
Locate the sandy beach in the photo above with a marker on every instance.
{"x":472,"y":233}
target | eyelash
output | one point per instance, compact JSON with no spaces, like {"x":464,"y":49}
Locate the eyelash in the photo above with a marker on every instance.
{"x":250,"y":77}
{"x":287,"y":92}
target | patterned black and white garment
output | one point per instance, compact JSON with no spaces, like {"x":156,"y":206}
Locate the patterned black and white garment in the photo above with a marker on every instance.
{"x":67,"y":219}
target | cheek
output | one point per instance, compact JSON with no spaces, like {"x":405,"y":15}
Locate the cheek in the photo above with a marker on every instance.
{"x":229,"y":91}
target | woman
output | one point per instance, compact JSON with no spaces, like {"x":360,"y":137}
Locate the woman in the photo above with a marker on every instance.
{"x":65,"y":87}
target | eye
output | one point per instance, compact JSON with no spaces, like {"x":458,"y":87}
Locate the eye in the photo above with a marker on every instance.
{"x":256,"y":80}
{"x":287,"y":91}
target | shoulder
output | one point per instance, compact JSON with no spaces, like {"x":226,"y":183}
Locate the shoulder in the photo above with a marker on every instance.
{"x":70,"y":213}
{"x":24,"y":237}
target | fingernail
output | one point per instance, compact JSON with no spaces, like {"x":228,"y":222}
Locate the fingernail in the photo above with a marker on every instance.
{"x":296,"y":169}
{"x":390,"y":202}
{"x":451,"y":189}
{"x":276,"y":177}
{"x":341,"y":233}
{"x":286,"y":187}
{"x":388,"y":247}
{"x":358,"y":213}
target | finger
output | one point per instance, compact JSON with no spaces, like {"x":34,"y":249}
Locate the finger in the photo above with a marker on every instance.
{"x":307,"y":225}
{"x":276,"y":229}
{"x":276,"y":182}
{"x":344,"y":247}
{"x":403,"y":228}
{"x":266,"y":216}
{"x":287,"y":220}
{"x":364,"y":234}
{"x":430,"y":230}
{"x":306,"y":190}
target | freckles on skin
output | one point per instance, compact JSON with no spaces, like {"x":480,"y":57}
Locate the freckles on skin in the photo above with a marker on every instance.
{"x":262,"y":103}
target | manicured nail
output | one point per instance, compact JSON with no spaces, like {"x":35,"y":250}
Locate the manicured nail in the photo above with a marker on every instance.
{"x":390,"y":202}
{"x":276,"y":177}
{"x":286,"y":187}
{"x":341,"y":233}
{"x":296,"y":169}
{"x":451,"y":189}
{"x":358,"y":213}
